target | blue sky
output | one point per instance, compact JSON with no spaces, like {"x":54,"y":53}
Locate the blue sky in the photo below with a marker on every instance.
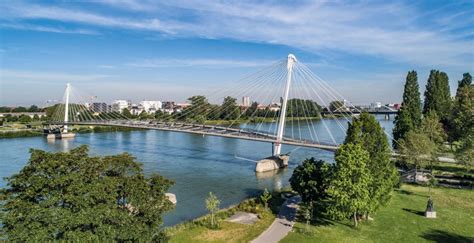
{"x":173,"y":49}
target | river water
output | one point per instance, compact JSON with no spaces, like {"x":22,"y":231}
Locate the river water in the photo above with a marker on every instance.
{"x":197,"y":164}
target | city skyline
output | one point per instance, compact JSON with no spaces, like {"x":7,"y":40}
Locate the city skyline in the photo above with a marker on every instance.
{"x":173,"y":50}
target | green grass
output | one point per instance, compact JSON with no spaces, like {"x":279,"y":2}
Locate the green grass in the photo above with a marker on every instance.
{"x":227,"y":232}
{"x":402,"y":220}
{"x":440,"y":168}
{"x":198,"y":230}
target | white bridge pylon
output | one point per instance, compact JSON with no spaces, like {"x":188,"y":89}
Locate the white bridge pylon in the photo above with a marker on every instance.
{"x":66,"y":108}
{"x":281,"y":126}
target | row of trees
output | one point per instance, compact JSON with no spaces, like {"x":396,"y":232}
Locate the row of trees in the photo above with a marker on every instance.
{"x":440,"y":119}
{"x":201,"y":110}
{"x":33,"y":108}
{"x":360,"y":181}
{"x":21,"y":118}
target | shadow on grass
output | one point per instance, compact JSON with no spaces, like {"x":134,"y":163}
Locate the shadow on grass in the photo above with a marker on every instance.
{"x":443,"y":236}
{"x":417,"y":212}
{"x":409,"y":193}
{"x":452,"y":169}
{"x":401,"y":191}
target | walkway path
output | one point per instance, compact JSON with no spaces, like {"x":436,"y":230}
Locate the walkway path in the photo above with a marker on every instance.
{"x":282,"y":224}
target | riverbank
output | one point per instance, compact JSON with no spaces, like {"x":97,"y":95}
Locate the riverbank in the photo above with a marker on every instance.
{"x":35,"y":132}
{"x":198,"y":231}
{"x":18,"y":130}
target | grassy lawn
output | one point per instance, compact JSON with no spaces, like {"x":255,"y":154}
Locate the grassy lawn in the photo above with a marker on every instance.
{"x":228,"y":232}
{"x":198,"y":230}
{"x":402,"y":220}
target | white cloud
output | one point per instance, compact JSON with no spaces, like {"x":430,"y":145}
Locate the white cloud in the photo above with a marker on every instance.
{"x":49,"y":29}
{"x":7,"y":75}
{"x":208,"y":63}
{"x":107,"y":66}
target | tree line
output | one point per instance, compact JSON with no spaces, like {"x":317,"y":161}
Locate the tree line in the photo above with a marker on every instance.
{"x":33,"y":108}
{"x":424,"y":129}
{"x":200,"y":110}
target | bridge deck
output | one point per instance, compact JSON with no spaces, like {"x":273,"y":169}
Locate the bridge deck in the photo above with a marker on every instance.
{"x":209,"y":130}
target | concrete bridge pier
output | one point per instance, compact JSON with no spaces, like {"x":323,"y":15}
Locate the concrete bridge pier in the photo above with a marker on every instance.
{"x":273,"y":162}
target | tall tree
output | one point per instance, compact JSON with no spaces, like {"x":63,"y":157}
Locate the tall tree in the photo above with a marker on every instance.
{"x":252,"y":110}
{"x":73,"y":197}
{"x":409,"y":115}
{"x":433,"y":128}
{"x":126,"y":113}
{"x":199,"y":106}
{"x":367,"y":132}
{"x":463,"y":110}
{"x":416,"y":149}
{"x":348,"y":190}
{"x":437,"y":95}
{"x":311,"y":179}
{"x":465,"y":81}
{"x":303,"y":108}
{"x":229,"y":109}
{"x":465,"y":152}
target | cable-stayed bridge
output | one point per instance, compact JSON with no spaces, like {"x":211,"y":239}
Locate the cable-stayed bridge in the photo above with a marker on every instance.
{"x":287,"y":92}
{"x":293,"y":95}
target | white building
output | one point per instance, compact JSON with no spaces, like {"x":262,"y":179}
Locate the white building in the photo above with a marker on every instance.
{"x":151,"y":106}
{"x":136,"y":109}
{"x":376,"y":105}
{"x":246,"y":101}
{"x":119,"y":105}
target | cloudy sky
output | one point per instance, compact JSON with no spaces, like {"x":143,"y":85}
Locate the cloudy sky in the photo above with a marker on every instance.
{"x":172,"y":49}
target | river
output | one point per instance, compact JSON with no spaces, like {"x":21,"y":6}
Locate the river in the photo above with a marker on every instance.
{"x":197,"y":164}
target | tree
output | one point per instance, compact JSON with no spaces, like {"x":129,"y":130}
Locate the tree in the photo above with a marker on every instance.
{"x":229,"y":109}
{"x":52,"y":109}
{"x":311,"y":180}
{"x":20,"y":109}
{"x":336,"y":105}
{"x":265,"y":197}
{"x":409,"y":115}
{"x":33,"y":108}
{"x":348,"y":190}
{"x":465,"y":152}
{"x":437,"y":95}
{"x":70,"y":196}
{"x":465,"y":81}
{"x":24,"y":119}
{"x":252,"y":110}
{"x":433,"y":128}
{"x":463,"y":110}
{"x":126,"y":113}
{"x":212,"y":204}
{"x":303,"y":108}
{"x":367,"y":132}
{"x":416,"y":149}
{"x":199,"y":106}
